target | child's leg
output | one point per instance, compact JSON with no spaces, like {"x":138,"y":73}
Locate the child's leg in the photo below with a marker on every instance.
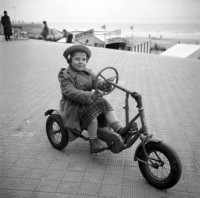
{"x":96,"y":144}
{"x":111,"y":117}
{"x":92,"y":129}
{"x":113,"y":121}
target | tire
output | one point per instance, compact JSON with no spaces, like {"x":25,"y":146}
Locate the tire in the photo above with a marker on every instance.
{"x":56,"y":133}
{"x":168,"y":173}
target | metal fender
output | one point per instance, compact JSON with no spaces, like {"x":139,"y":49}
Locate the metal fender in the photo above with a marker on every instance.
{"x":139,"y":147}
{"x":54,"y":111}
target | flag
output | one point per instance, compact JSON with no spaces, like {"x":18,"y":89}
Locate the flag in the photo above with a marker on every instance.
{"x":131,"y":27}
{"x":103,"y":27}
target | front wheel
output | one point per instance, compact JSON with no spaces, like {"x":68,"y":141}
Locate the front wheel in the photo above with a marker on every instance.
{"x":56,"y":132}
{"x":166,"y":169}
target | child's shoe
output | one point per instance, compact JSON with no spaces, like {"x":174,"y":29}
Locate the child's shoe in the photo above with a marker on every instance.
{"x":97,"y":145}
{"x":117,"y":127}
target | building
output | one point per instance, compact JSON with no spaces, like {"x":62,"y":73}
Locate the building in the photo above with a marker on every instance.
{"x":88,"y":38}
{"x":183,"y":51}
{"x":129,"y":44}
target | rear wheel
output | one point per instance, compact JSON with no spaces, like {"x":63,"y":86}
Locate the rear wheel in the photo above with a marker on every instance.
{"x":56,"y":133}
{"x":166,"y":169}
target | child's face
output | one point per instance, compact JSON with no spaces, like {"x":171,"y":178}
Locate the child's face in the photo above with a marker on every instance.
{"x":79,"y":61}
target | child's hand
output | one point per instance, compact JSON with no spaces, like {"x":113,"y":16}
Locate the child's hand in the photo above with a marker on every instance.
{"x":107,"y":85}
{"x":96,"y":95}
{"x":111,"y":79}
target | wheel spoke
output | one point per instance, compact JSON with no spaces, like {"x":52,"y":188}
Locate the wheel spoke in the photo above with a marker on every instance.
{"x":162,"y":173}
{"x":56,"y":133}
{"x":58,"y":138}
{"x":166,"y":161}
{"x":153,"y":159}
{"x":160,"y":158}
{"x":166,"y":169}
{"x":157,"y":155}
{"x":163,"y":170}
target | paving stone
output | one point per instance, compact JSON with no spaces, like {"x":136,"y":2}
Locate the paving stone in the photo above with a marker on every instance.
{"x":47,"y":185}
{"x":111,"y":179}
{"x":77,"y":166}
{"x":75,"y":176}
{"x":93,"y":178}
{"x":17,"y":194}
{"x":32,"y":163}
{"x":53,"y":174}
{"x":25,"y":173}
{"x":51,"y":195}
{"x":59,"y":165}
{"x":127,"y":191}
{"x":89,"y":189}
{"x":20,"y":184}
{"x":95,"y":168}
{"x":110,"y":191}
{"x":69,"y":187}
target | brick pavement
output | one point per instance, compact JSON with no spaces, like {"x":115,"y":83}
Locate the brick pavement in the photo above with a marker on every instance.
{"x":30,"y":167}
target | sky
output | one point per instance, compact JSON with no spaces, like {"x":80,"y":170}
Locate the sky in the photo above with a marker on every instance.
{"x":103,"y":11}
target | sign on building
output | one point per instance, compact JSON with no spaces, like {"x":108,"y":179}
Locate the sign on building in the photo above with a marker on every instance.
{"x":117,"y":40}
{"x":115,"y":32}
{"x":86,"y":33}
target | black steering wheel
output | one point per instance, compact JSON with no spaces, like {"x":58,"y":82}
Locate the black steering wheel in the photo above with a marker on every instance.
{"x":108,"y":71}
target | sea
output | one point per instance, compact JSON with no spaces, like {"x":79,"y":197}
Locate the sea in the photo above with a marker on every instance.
{"x":185,"y":31}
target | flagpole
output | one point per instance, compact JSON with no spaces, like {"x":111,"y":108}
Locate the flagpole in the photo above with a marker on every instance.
{"x":104,"y":39}
{"x":132,"y":38}
{"x":104,"y":36}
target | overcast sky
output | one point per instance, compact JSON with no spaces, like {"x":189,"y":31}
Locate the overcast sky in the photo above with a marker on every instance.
{"x":103,"y":11}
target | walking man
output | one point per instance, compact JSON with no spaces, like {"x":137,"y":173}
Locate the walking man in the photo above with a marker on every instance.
{"x":5,"y":21}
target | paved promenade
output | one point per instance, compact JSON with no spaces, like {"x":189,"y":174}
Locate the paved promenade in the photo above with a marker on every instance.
{"x":31,"y":168}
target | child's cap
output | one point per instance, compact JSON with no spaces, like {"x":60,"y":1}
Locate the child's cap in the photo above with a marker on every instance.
{"x":77,"y":48}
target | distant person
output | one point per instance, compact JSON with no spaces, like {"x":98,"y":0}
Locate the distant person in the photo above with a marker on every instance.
{"x":68,"y":36}
{"x":65,"y":34}
{"x":45,"y":30}
{"x":5,"y":21}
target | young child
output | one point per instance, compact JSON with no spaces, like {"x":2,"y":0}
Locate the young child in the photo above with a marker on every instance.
{"x":82,"y":108}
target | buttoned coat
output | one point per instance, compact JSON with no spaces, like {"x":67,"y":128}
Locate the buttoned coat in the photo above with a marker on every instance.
{"x":5,"y":21}
{"x":76,"y":90}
